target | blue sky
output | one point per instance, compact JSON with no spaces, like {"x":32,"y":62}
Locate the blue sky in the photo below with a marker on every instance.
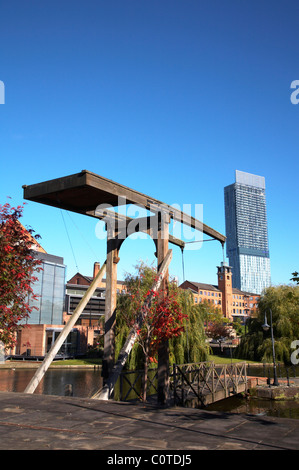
{"x":166,"y":97}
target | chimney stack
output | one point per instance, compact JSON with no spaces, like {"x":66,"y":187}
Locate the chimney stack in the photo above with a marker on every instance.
{"x":96,"y":268}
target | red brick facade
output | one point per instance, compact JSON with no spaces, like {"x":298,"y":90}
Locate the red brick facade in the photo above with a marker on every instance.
{"x":232,"y":302}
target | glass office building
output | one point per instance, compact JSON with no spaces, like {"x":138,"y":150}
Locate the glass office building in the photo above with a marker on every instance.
{"x":50,"y":288}
{"x":247,"y":245}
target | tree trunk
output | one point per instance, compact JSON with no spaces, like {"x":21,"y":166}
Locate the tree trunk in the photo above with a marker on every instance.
{"x":146,"y":358}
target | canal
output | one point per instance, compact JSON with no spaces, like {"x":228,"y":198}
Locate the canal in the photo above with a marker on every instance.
{"x":85,"y":382}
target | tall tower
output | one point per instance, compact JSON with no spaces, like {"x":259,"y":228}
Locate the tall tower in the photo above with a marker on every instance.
{"x":225,"y":286}
{"x":247,"y":233}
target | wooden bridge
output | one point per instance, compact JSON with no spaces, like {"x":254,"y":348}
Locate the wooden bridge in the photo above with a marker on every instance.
{"x":198,"y":384}
{"x":206,"y":382}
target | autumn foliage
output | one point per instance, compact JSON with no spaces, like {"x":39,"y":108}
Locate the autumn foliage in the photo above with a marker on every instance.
{"x":162,"y":316}
{"x":17,"y":269}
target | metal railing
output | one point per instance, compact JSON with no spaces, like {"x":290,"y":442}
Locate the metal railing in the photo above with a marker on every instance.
{"x":206,"y":378}
{"x":131,"y":384}
{"x":186,"y":381}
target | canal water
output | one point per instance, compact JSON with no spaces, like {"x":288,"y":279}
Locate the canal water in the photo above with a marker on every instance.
{"x":85,"y":382}
{"x":258,"y":406}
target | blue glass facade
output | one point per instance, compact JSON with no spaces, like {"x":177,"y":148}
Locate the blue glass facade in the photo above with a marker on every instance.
{"x":50,"y":288}
{"x":247,"y":234}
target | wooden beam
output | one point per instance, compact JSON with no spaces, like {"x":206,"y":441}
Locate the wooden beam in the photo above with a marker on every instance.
{"x":40,"y":372}
{"x":163,"y":349}
{"x":142,"y":224}
{"x":110,"y":302}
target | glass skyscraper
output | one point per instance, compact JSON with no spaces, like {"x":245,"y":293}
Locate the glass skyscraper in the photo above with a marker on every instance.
{"x":247,"y":245}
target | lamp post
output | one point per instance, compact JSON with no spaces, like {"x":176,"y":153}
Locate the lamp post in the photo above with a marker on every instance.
{"x":266,"y":327}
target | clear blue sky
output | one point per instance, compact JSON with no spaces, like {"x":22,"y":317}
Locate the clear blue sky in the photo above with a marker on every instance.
{"x":167,"y":97}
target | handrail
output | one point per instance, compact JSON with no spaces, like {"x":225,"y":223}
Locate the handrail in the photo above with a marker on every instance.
{"x":207,"y":378}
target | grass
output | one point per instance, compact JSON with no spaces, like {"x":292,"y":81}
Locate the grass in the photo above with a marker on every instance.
{"x":98,"y":361}
{"x":228,"y":360}
{"x":78,"y":362}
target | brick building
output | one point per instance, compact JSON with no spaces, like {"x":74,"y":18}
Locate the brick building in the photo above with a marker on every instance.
{"x":232,"y":302}
{"x":56,"y":302}
{"x":91,"y":321}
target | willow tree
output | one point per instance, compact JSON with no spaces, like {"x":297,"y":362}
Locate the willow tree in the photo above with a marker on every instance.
{"x":256,"y":344}
{"x":175,"y":318}
{"x":189,"y":346}
{"x":162,"y":318}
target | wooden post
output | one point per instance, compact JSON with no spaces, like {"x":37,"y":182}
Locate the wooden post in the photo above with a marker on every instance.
{"x":40,"y":372}
{"x":110,"y":301}
{"x":163,"y":350}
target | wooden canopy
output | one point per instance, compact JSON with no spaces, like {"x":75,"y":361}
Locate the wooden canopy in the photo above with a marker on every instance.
{"x":83,"y":192}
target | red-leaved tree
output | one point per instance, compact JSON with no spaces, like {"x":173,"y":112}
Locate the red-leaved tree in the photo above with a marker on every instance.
{"x":17,"y":269}
{"x":162,"y":319}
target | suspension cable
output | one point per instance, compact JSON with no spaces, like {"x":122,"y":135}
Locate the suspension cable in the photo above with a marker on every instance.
{"x":69,"y":240}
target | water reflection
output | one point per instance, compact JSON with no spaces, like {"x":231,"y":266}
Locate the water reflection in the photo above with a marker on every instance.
{"x":258,"y":407}
{"x":84,"y":382}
